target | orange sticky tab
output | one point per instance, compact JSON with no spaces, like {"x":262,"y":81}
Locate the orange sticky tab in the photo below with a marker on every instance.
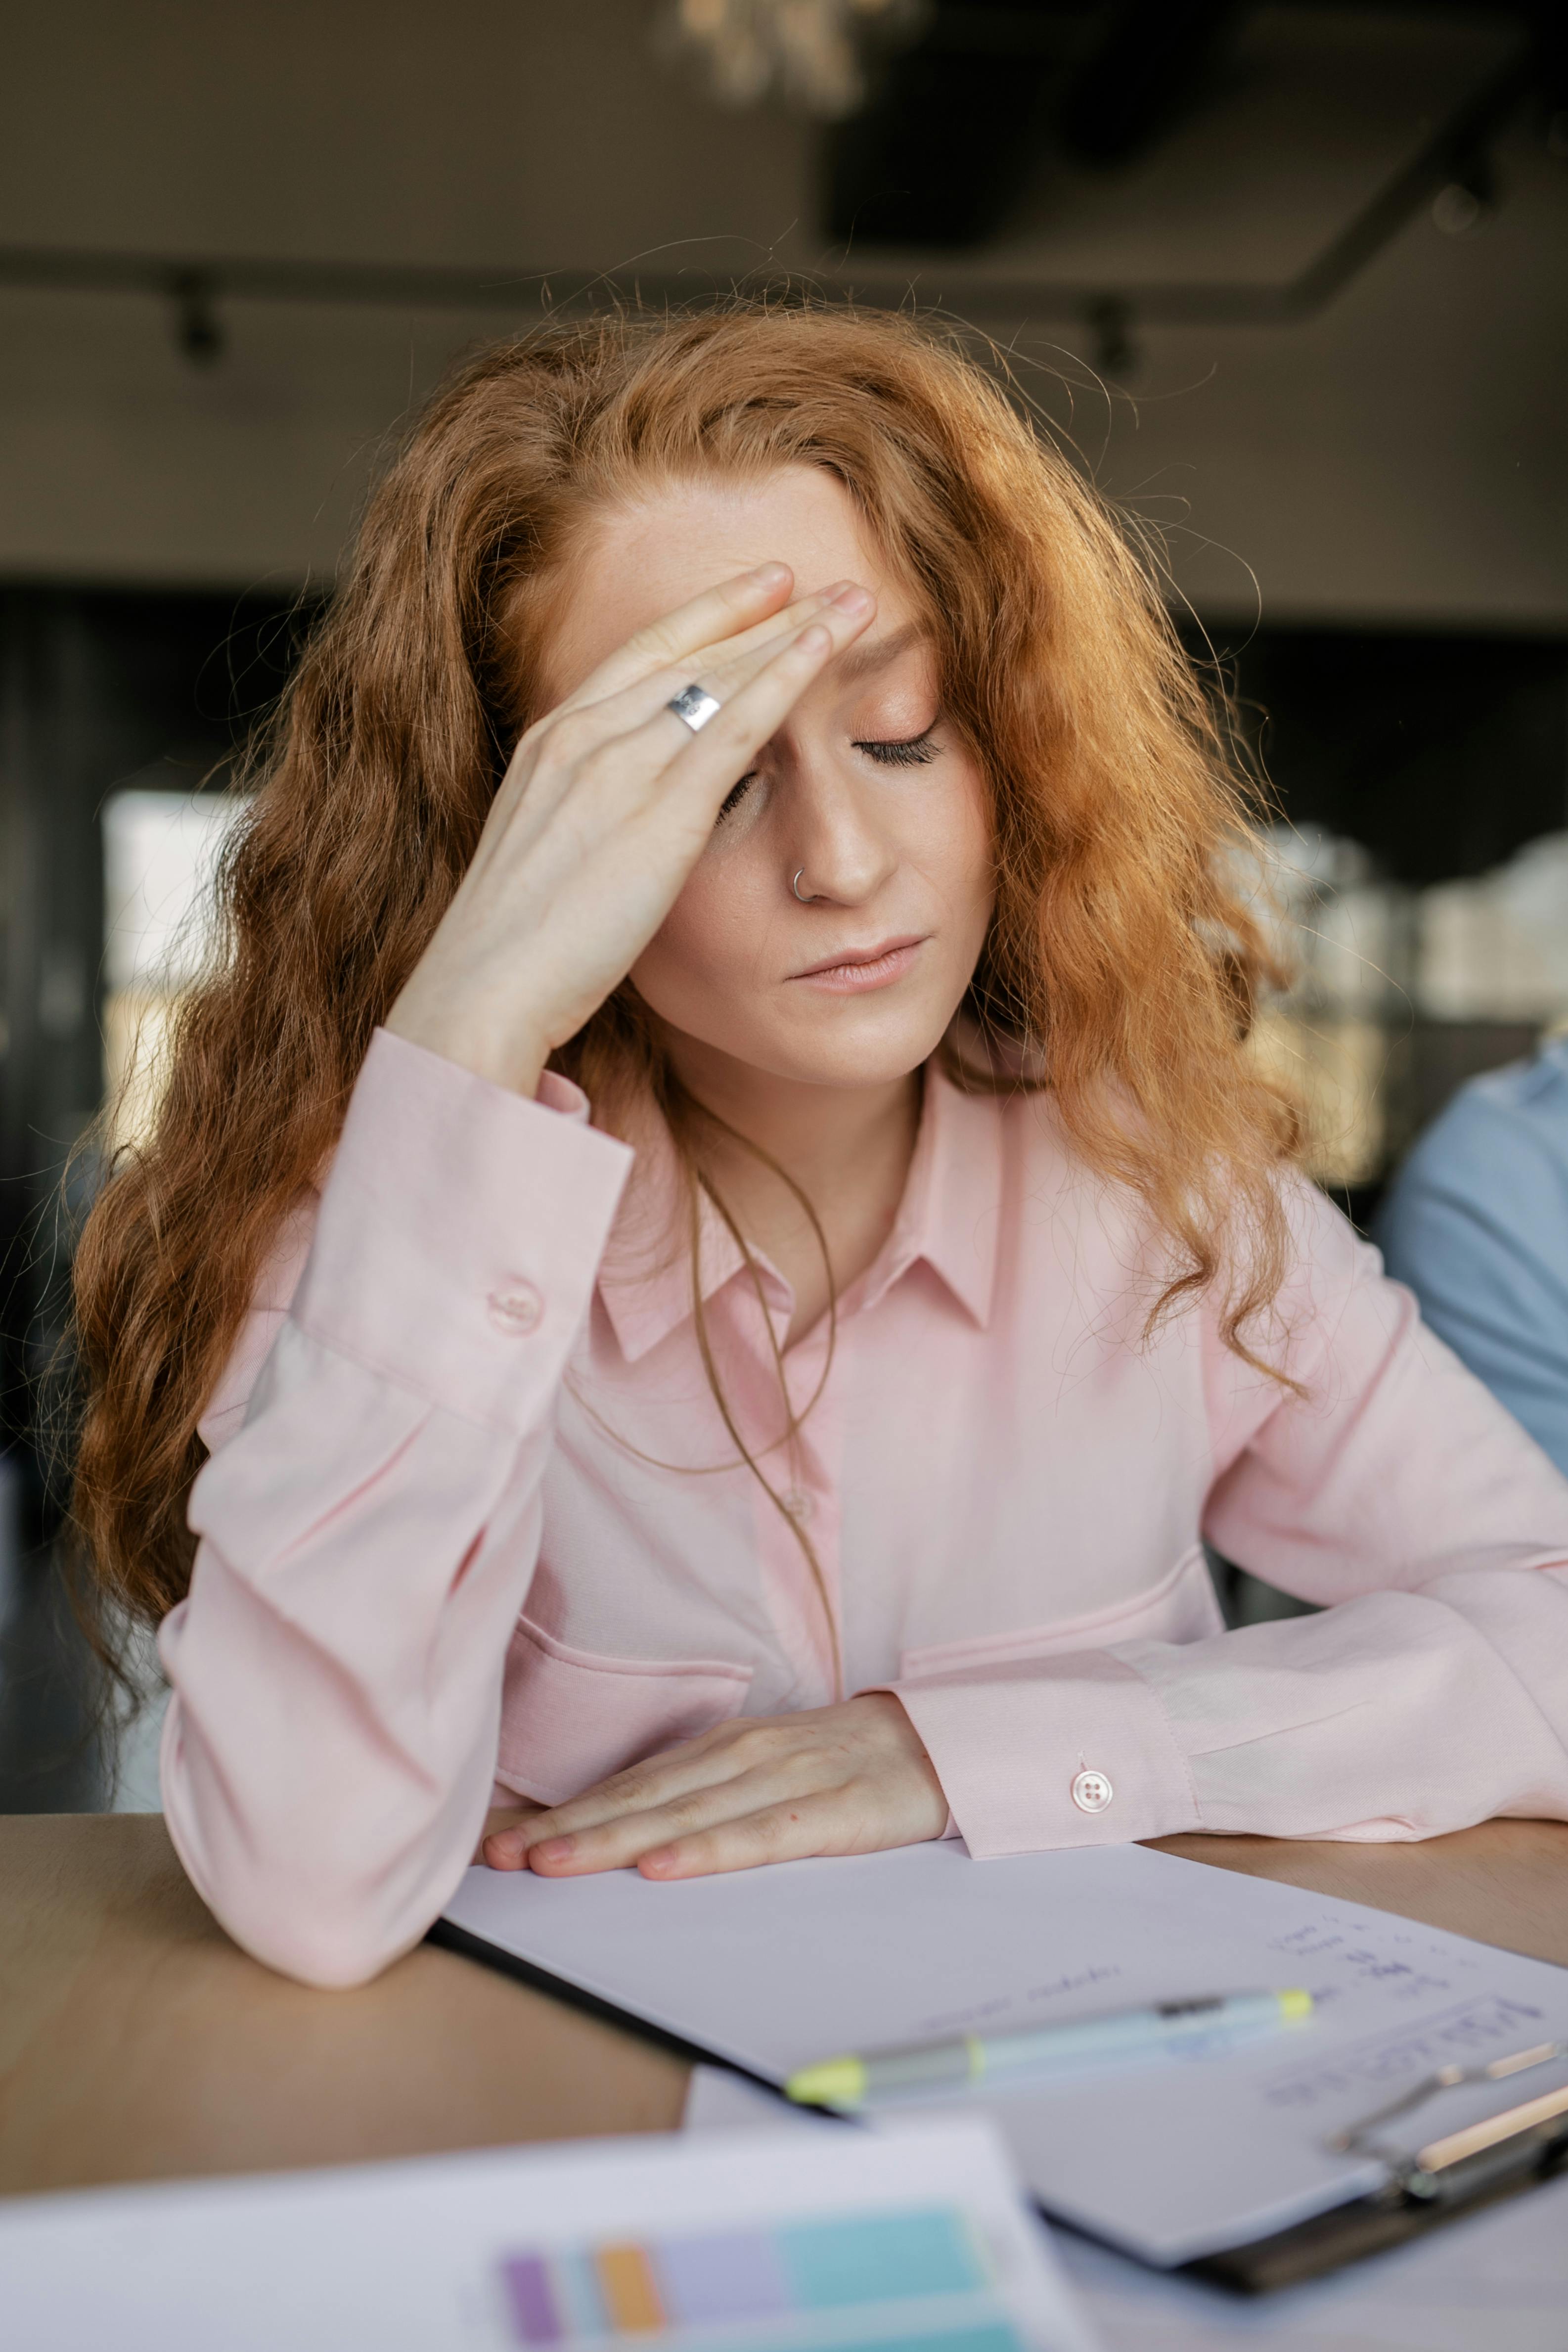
{"x":630,"y":2289}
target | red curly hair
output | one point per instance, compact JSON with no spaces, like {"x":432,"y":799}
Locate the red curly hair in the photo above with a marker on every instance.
{"x":1119,"y":953}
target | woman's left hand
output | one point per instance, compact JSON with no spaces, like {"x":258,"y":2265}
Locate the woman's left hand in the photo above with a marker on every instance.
{"x":836,"y":1779}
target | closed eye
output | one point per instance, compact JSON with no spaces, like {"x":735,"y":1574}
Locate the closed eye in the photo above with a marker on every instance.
{"x":897,"y":752}
{"x":904,"y":752}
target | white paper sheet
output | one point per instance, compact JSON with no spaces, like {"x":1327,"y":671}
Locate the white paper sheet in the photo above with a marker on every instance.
{"x":424,"y":2257}
{"x":1174,"y":2156}
{"x":1499,"y":2278}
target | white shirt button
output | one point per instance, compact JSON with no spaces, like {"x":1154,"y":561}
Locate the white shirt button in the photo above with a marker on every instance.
{"x":1091,"y":1793}
{"x":799,"y":1504}
{"x":515,"y":1309}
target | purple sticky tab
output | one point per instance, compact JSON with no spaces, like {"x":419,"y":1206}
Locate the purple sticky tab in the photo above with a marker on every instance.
{"x":533,"y":2306}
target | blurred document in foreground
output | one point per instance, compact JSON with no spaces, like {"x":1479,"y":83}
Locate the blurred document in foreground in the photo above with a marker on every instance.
{"x":844,"y":2243}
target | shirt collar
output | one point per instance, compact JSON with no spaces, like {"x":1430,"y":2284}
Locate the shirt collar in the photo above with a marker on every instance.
{"x":645,"y":1276}
{"x":949,"y":1218}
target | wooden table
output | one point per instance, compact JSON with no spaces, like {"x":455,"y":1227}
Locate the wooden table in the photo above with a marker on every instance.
{"x":138,"y":2042}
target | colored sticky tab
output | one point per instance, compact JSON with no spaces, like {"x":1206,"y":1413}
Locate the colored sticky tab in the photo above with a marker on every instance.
{"x":630,"y":2292}
{"x":737,"y":2276}
{"x":578,"y":2297}
{"x":534,"y":2313}
{"x":740,"y":2277}
{"x":879,"y":2258}
{"x":996,"y":2335}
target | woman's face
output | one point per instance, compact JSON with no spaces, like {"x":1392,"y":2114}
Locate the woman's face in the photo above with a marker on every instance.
{"x":866,"y":792}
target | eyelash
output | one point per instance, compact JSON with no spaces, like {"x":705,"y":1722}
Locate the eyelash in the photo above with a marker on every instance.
{"x":905,"y":751}
{"x":908,"y":752}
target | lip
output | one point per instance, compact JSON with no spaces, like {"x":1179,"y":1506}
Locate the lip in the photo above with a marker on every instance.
{"x":854,"y":971}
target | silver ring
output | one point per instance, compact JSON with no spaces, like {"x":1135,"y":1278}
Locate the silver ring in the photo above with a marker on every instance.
{"x":694,"y":703}
{"x":805,"y":897}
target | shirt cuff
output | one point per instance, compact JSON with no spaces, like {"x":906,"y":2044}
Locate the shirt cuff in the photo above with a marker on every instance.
{"x":1073,"y":1750}
{"x":460,"y":1233}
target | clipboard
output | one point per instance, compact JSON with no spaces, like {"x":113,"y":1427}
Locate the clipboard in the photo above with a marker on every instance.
{"x":1445,"y":2181}
{"x":737,"y":1976}
{"x":1463,"y":2173}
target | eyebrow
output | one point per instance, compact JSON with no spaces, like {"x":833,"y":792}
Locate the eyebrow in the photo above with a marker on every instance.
{"x":861,"y":660}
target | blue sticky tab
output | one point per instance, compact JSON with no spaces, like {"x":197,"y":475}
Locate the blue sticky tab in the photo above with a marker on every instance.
{"x":878,"y":2258}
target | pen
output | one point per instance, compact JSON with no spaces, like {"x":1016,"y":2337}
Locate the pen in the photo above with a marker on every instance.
{"x":971,"y":2057}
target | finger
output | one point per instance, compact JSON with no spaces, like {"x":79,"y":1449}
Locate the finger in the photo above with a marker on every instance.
{"x":707,"y":620}
{"x":613,"y":1844}
{"x":545,"y":772}
{"x":626,"y":776}
{"x":512,"y":1823}
{"x":754,"y":695}
{"x":581,"y":726}
{"x":670,"y":1780}
{"x":770,"y":629}
{"x":832,"y":1823}
{"x":582,"y":723}
{"x":706,"y":768}
{"x":667,"y":1778}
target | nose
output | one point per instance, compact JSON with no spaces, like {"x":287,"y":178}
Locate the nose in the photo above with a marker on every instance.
{"x":837,"y":853}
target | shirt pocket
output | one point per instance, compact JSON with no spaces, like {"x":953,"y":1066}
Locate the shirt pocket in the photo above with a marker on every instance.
{"x":570,"y":1717}
{"x":1181,"y":1607}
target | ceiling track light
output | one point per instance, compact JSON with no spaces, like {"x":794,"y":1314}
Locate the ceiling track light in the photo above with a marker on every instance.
{"x":1116,"y":353}
{"x":1470,"y":196}
{"x":197,"y":330}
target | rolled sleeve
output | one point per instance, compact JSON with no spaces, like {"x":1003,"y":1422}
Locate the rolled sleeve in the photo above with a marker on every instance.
{"x":459,"y":1236}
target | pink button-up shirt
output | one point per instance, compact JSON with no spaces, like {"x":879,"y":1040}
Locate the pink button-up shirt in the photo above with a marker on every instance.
{"x":473,"y":1521}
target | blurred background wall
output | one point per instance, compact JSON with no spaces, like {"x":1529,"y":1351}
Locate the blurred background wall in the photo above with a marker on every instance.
{"x":1293,"y":280}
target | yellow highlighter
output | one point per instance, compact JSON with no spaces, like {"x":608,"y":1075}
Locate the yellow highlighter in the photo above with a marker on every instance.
{"x":1173,"y":2025}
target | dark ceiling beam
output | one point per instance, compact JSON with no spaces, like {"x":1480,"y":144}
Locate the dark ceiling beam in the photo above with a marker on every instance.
{"x":193,"y":285}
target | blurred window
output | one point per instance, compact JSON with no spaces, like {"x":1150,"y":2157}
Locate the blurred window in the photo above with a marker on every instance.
{"x":160,"y":853}
{"x":1398,"y":994}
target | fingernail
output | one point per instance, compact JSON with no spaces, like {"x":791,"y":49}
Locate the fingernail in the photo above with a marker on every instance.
{"x":814,"y":640}
{"x":664,"y":1857}
{"x":854,"y":598}
{"x":555,"y":1849}
{"x":770,"y":575}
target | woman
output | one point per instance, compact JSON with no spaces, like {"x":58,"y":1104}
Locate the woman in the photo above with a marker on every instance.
{"x":715,"y":1224}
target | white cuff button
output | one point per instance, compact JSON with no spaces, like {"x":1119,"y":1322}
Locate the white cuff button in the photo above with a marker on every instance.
{"x":1091,"y":1793}
{"x":515,"y":1309}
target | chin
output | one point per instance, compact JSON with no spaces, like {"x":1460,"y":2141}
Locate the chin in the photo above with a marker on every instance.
{"x":860,"y":1052}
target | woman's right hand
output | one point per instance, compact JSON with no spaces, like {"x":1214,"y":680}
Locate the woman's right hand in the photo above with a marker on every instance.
{"x":606,"y":807}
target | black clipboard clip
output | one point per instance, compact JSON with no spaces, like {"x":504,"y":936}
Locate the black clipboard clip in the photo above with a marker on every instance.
{"x":1438,"y":2182}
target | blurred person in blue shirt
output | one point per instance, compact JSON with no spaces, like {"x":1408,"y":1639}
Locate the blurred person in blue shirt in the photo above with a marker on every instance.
{"x":1476,"y":1224}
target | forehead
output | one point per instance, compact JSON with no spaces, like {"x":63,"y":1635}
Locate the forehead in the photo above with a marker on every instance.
{"x":641,"y":561}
